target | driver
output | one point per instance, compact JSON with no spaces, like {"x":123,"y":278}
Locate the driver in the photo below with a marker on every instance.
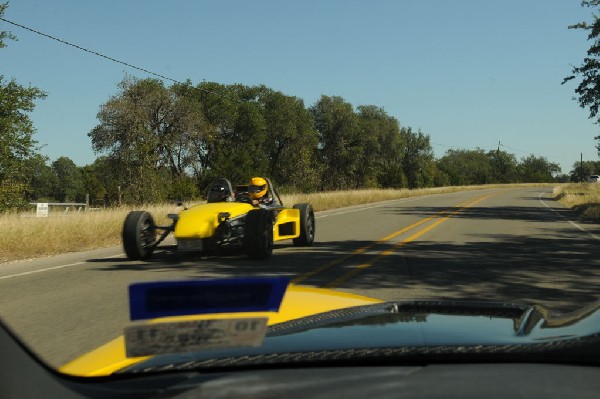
{"x":258,"y":191}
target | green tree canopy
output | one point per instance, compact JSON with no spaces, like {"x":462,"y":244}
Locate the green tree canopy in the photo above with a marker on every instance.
{"x":17,"y":145}
{"x":417,"y":159}
{"x":340,"y":150}
{"x":42,"y":180}
{"x":580,"y":171}
{"x":588,"y":89}
{"x":290,"y":141}
{"x":504,"y":166}
{"x":5,"y":35}
{"x":534,"y":169}
{"x":381,"y":144}
{"x":466,"y":167}
{"x":69,"y":185}
{"x":146,"y":130}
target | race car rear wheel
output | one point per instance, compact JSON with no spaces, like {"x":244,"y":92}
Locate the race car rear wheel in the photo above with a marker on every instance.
{"x":139,"y":235}
{"x":258,"y":234}
{"x":307,"y":226}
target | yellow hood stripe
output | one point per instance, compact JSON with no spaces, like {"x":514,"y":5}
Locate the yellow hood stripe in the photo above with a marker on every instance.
{"x":297,"y":302}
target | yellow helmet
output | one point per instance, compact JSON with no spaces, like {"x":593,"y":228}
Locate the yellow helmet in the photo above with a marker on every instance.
{"x":257,"y":188}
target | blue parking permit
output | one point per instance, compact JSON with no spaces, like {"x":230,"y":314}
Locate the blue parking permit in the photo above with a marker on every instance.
{"x":178,"y":298}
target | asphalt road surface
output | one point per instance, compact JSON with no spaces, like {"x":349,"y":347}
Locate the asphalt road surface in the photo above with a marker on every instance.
{"x":513,"y":245}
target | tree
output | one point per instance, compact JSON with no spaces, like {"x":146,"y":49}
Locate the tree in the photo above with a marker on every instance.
{"x":16,"y":140}
{"x":340,"y":142}
{"x":390,"y":173}
{"x":69,"y":183}
{"x":218,"y":107}
{"x":588,"y":89}
{"x":580,"y":171}
{"x":466,"y":167}
{"x":147,"y":129}
{"x":234,"y":144}
{"x":534,"y":169}
{"x":381,"y":156}
{"x":504,"y":166}
{"x":233,"y":135}
{"x":17,"y":145}
{"x":42,"y":180}
{"x":291,"y":141}
{"x":417,"y":160}
{"x":4,"y":35}
{"x":100,"y":181}
{"x":562,"y":178}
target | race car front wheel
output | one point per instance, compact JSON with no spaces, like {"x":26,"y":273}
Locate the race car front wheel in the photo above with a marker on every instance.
{"x":258,"y":234}
{"x":139,"y":235}
{"x":307,"y":226}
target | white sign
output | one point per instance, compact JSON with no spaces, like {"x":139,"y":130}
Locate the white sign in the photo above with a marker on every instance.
{"x":42,"y":210}
{"x":195,"y":335}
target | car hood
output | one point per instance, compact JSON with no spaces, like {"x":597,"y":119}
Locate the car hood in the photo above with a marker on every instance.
{"x":362,"y":329}
{"x":298,"y":302}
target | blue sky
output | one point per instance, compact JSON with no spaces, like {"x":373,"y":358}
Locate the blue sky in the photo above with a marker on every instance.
{"x":470,"y":73}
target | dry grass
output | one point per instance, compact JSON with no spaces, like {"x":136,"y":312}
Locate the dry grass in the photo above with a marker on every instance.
{"x":26,"y":237}
{"x":584,"y":198}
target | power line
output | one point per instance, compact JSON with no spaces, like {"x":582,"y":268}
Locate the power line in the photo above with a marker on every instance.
{"x":37,"y":32}
{"x":98,"y":54}
{"x":89,"y":51}
{"x":564,"y":156}
{"x":460,"y":148}
{"x":516,"y":149}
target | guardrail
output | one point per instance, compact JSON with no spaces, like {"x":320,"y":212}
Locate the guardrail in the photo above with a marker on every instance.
{"x":43,"y":208}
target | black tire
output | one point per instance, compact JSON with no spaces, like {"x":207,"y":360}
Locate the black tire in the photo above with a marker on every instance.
{"x":139,"y":235}
{"x":258,"y":234}
{"x":307,"y":226}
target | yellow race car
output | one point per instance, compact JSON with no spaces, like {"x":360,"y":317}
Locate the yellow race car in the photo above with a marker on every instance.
{"x":227,"y":220}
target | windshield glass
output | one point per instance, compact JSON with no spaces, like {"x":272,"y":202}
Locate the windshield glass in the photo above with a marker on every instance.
{"x":413,"y":151}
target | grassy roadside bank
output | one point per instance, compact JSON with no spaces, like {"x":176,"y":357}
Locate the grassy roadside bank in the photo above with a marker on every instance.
{"x":583,"y":198}
{"x":27,"y":237}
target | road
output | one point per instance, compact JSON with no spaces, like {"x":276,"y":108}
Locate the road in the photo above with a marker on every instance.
{"x":514,"y":244}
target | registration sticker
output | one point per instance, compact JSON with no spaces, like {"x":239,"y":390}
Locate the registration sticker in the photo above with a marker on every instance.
{"x":195,"y":335}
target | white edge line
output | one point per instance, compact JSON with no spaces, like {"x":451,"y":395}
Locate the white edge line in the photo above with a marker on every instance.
{"x":316,"y":217}
{"x":594,"y":236}
{"x":47,"y":269}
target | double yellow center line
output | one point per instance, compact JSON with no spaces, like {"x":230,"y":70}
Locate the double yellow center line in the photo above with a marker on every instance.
{"x":346,"y":276}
